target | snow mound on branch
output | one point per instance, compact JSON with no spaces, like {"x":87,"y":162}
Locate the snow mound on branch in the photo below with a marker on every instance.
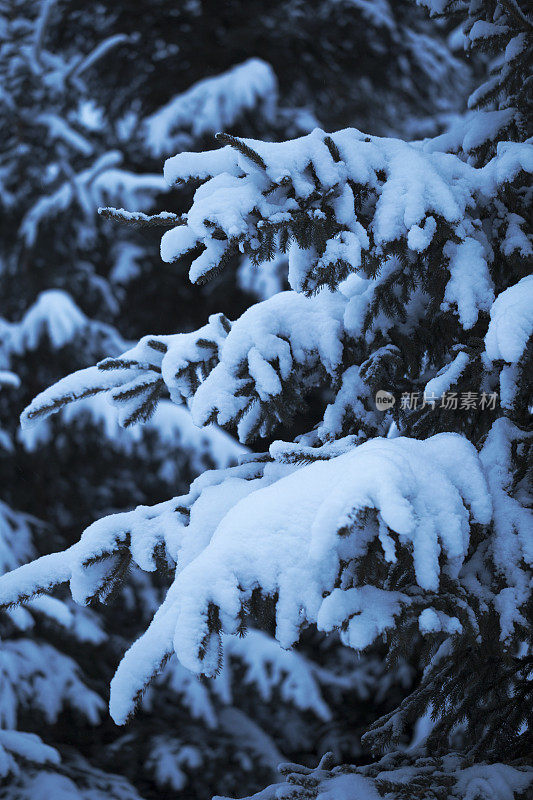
{"x":16,"y":745}
{"x":212,"y":105}
{"x":263,"y":348}
{"x":447,"y":376}
{"x":510,"y":328}
{"x":472,"y":130}
{"x":470,"y":287}
{"x":370,"y":612}
{"x":295,"y":550}
{"x":498,"y":781}
{"x":55,"y":314}
{"x":287,"y":530}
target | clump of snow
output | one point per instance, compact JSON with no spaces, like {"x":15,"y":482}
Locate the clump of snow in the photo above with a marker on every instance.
{"x":212,"y":105}
{"x":510,"y":328}
{"x":470,"y":286}
{"x":511,"y":322}
{"x":209,"y":367}
{"x":264,"y":347}
{"x":54,"y":314}
{"x":370,"y":611}
{"x":420,"y":236}
{"x":498,"y":781}
{"x":16,"y":745}
{"x":431,"y":621}
{"x":472,"y":130}
{"x":447,"y":376}
{"x":451,"y":773}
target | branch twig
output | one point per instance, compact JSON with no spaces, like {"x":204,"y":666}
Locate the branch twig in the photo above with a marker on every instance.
{"x":165,"y":219}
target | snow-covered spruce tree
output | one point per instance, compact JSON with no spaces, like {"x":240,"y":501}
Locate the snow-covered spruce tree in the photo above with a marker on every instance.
{"x":53,"y":238}
{"x":408,"y":272}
